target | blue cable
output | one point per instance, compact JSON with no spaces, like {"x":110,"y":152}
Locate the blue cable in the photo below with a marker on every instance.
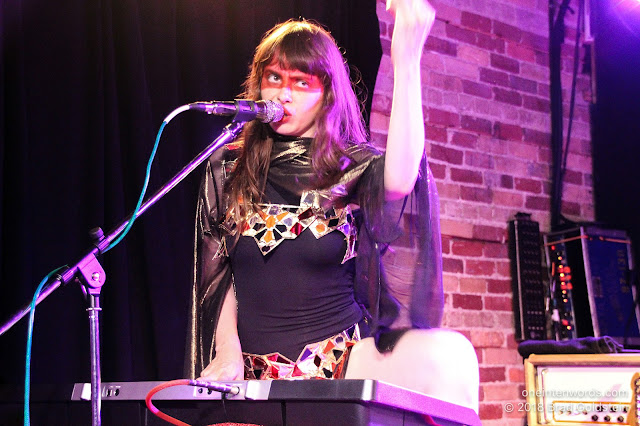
{"x":125,"y":231}
{"x":27,"y":378}
{"x":27,"y":375}
{"x":168,"y":118}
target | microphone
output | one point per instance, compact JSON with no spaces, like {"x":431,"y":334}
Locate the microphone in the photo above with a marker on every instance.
{"x":242,"y":109}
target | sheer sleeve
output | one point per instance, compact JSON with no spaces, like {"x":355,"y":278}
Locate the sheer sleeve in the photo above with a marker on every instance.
{"x":211,"y":275}
{"x":383,"y":224}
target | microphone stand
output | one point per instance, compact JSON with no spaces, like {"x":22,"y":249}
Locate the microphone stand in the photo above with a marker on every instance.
{"x":89,"y":273}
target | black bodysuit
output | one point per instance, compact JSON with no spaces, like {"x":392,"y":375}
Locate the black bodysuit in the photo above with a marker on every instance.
{"x":299,"y":293}
{"x":306,"y":289}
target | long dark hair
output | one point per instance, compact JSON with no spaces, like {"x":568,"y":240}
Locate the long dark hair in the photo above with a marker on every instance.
{"x":305,"y":46}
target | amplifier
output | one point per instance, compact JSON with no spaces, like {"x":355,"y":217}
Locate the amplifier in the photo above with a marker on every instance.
{"x":591,"y":291}
{"x":582,"y":389}
{"x":529,"y":291}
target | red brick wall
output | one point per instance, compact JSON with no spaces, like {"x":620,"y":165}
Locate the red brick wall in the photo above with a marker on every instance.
{"x":485,"y":78}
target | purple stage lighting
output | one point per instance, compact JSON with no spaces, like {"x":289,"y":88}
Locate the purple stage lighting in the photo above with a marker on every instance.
{"x":628,"y":13}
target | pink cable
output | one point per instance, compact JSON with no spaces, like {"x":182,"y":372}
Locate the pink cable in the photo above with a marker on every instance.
{"x":173,"y":420}
{"x":159,"y":413}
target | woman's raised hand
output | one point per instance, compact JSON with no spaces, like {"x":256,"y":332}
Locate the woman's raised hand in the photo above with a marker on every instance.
{"x":413,"y":21}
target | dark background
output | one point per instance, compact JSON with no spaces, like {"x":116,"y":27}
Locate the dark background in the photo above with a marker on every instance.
{"x":84,"y":87}
{"x":616,"y":116}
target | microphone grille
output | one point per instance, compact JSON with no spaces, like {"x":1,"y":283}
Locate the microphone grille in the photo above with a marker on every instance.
{"x":273,"y":112}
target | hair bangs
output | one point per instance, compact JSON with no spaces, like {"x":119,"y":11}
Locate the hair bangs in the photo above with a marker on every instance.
{"x":303,"y":51}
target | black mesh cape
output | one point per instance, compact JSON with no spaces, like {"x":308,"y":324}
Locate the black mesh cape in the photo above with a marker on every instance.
{"x":381,"y":224}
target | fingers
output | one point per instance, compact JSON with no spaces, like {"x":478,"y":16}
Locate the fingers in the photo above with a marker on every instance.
{"x":218,"y":375}
{"x":221,"y":371}
{"x":210,"y":373}
{"x":410,"y":7}
{"x":415,"y":16}
{"x":413,"y":22}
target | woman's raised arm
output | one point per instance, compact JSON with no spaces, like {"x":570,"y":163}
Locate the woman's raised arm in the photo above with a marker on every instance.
{"x":405,"y":142}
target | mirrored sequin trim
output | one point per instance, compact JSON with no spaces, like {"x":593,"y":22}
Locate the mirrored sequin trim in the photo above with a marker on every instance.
{"x":279,"y":222}
{"x":322,"y":360}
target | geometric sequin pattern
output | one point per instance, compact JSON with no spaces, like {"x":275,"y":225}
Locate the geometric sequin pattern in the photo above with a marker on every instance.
{"x":322,"y":360}
{"x":277,"y":222}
